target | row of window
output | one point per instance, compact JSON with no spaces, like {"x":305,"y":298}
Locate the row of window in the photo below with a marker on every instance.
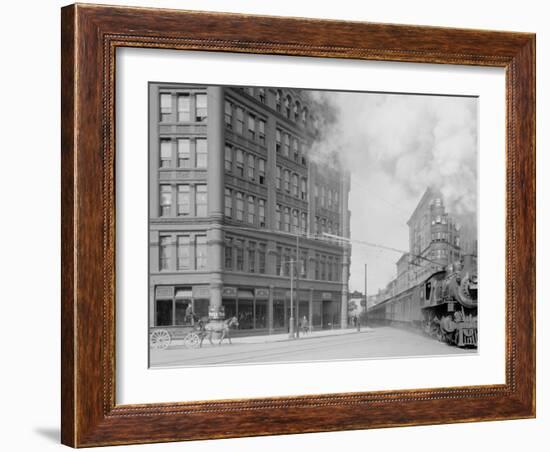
{"x":193,"y":107}
{"x":290,"y":220}
{"x":251,"y":312}
{"x":183,"y":107}
{"x":327,"y":268}
{"x":283,"y":142}
{"x":439,"y":219}
{"x":445,"y":237}
{"x":179,"y":252}
{"x":250,"y":256}
{"x":189,"y":153}
{"x":323,"y":225}
{"x":259,"y":93}
{"x":291,"y":183}
{"x":285,"y":105}
{"x":326,"y":197}
{"x":290,"y":108}
{"x":286,"y":262}
{"x":247,"y":124}
{"x":439,"y":254}
{"x":191,"y":200}
{"x":179,"y":309}
{"x":244,"y":165}
{"x":235,"y":120}
{"x":245,"y":255}
{"x":248,"y":166}
{"x":244,"y":207}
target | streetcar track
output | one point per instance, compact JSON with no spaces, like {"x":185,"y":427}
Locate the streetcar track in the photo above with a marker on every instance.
{"x":268,"y":352}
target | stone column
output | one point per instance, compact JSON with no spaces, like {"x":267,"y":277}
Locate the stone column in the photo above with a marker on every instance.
{"x":154,"y":151}
{"x":346,"y":257}
{"x":271,"y":172}
{"x":271,"y":257}
{"x":215,"y":179}
{"x":270,"y":310}
{"x":311,"y":309}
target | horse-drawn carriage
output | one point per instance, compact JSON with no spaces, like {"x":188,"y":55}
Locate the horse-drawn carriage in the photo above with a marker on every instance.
{"x":191,"y":334}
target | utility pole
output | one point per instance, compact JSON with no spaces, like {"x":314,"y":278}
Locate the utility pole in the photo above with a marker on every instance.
{"x":291,"y":319}
{"x":298,"y":268}
{"x":366,"y":297}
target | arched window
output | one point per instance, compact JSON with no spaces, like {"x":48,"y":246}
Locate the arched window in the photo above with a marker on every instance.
{"x":304,"y":115}
{"x":261,"y":95}
{"x":278,"y":100}
{"x":288,"y":101}
{"x":296,"y":111}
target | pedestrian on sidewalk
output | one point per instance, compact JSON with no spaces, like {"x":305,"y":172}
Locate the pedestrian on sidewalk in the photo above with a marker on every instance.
{"x":304,"y":325}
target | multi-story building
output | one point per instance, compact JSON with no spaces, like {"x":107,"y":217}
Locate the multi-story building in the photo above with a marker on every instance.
{"x":435,"y":241}
{"x":237,"y":203}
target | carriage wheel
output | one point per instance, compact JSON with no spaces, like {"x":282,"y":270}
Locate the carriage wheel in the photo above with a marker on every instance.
{"x":160,"y":339}
{"x":191,"y":340}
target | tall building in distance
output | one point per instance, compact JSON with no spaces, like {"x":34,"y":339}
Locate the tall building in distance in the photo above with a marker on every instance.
{"x":436,"y":240}
{"x":236,"y":202}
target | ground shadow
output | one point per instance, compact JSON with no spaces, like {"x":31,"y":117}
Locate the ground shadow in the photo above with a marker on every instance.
{"x":50,"y":433}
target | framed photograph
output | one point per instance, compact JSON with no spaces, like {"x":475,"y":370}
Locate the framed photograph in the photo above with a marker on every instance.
{"x":282,"y":225}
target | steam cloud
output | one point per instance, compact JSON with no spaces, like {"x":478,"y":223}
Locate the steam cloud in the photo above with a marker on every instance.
{"x":395,"y":146}
{"x":419,"y":141}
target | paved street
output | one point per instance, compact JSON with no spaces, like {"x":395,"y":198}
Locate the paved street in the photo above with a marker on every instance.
{"x":377,"y":342}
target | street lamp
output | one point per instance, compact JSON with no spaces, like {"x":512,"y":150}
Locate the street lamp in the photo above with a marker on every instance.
{"x":291,"y":319}
{"x":294,"y":330}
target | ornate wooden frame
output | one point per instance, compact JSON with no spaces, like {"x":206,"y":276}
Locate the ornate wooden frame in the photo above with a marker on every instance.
{"x":90,"y":35}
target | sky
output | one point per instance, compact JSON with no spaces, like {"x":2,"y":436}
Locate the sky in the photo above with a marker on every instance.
{"x":395,"y":146}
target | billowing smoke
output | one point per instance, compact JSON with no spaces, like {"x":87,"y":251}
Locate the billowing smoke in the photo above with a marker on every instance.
{"x":395,"y":147}
{"x":418,"y":141}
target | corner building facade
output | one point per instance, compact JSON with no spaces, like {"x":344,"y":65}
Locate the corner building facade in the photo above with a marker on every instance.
{"x":236,"y":203}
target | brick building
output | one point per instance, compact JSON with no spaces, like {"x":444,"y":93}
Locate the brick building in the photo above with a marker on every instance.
{"x":234,"y":197}
{"x":436,"y":240}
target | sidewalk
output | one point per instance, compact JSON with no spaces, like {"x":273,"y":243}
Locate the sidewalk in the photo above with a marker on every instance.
{"x":283,"y":337}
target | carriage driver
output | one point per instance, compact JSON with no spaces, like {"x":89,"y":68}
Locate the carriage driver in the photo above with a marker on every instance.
{"x":189,"y":313}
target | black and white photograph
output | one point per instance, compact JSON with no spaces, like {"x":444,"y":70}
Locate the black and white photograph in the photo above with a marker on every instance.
{"x":296,"y":225}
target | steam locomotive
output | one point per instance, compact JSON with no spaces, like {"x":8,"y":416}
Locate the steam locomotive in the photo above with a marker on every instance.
{"x":444,"y":305}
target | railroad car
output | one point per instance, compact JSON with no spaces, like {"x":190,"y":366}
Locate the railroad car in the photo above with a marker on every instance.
{"x":444,"y":305}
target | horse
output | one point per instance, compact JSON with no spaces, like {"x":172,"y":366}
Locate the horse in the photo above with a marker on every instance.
{"x":223,"y":329}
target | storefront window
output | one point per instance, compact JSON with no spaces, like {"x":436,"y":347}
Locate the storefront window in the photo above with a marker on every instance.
{"x":316,"y":320}
{"x":201,"y":308}
{"x":183,"y":315}
{"x":261,"y":314}
{"x":230,"y":307}
{"x":164,"y":312}
{"x":303,"y":310}
{"x":278,"y":314}
{"x":246,"y":314}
